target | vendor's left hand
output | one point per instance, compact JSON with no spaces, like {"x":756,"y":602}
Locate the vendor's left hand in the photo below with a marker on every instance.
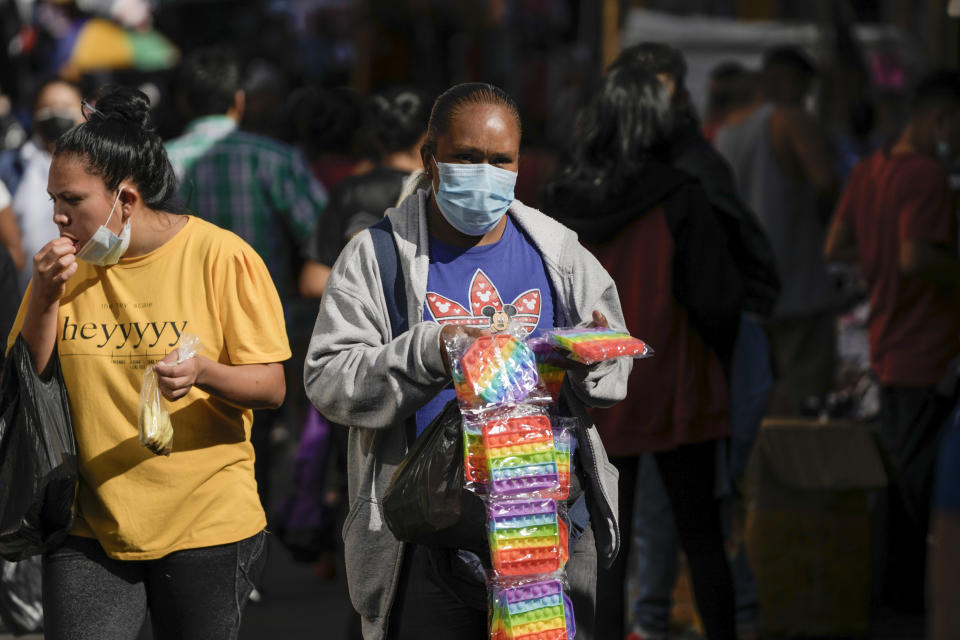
{"x":175,"y":380}
{"x":599,"y":320}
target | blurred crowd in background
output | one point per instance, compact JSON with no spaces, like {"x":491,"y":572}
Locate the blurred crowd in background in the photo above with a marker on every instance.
{"x":337,"y":94}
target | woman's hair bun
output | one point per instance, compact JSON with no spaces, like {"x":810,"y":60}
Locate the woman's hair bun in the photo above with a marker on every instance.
{"x":123,"y":104}
{"x":399,"y":117}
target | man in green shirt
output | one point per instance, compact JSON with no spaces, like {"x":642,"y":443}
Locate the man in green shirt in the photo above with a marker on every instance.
{"x":259,"y":188}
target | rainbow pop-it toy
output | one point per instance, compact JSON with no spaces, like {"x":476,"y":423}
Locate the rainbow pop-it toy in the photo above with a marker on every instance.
{"x":527,"y":537}
{"x":499,"y":369}
{"x":594,"y":344}
{"x":521,"y":457}
{"x":533,"y":611}
{"x":551,"y":374}
{"x":562,"y":444}
{"x":474,"y":456}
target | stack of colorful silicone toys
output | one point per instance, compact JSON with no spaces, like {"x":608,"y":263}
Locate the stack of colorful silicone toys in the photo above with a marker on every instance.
{"x":519,"y":459}
{"x":519,"y":462}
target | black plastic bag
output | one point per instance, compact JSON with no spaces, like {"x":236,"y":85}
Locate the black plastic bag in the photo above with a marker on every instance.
{"x":21,"y":603}
{"x":426,"y":502}
{"x":38,"y":457}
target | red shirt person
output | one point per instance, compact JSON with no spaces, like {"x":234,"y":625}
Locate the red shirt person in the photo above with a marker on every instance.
{"x":896,"y":206}
{"x":897,"y":219}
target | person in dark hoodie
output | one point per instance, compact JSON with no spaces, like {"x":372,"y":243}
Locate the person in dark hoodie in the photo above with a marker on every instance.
{"x":652,"y":227}
{"x":749,"y":375}
{"x":687,"y":149}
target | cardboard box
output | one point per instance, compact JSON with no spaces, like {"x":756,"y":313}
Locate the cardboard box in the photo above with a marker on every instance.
{"x":808,"y":530}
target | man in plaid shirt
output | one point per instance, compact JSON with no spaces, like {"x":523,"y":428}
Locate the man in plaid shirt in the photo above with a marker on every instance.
{"x":259,"y":188}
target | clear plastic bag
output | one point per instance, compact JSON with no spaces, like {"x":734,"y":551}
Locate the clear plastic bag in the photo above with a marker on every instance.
{"x":493,"y":370}
{"x":564,"y":442}
{"x":590,"y":345}
{"x":156,"y":429}
{"x":475,"y":472}
{"x":523,"y":609}
{"x":521,"y":456}
{"x":527,"y":537}
{"x":548,"y":364}
{"x":518,"y":453}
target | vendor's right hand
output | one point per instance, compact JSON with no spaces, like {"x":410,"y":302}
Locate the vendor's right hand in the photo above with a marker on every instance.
{"x":449,"y":331}
{"x":53,"y":265}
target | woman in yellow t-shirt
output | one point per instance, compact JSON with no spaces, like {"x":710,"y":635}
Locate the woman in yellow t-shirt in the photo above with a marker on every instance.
{"x":181,"y":536}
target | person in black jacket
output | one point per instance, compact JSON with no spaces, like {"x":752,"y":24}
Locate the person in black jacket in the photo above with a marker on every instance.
{"x":653,"y":228}
{"x":688,"y":150}
{"x":398,"y":120}
{"x":747,"y":366}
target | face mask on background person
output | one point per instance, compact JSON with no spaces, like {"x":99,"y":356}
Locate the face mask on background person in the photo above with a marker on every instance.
{"x":53,"y":123}
{"x":473,"y":197}
{"x":105,"y":247}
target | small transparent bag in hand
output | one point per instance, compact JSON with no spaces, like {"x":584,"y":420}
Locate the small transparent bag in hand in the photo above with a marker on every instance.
{"x":156,"y":429}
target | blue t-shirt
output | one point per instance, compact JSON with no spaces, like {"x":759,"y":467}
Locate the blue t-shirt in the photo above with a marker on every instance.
{"x":465,"y":286}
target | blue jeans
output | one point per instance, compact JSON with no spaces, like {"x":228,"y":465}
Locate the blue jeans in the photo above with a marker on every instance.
{"x":195,"y":593}
{"x":654,"y":534}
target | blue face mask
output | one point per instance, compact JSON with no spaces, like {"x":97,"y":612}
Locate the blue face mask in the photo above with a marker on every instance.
{"x":473,"y":197}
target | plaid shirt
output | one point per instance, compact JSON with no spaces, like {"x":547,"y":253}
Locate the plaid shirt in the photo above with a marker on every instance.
{"x":259,"y":188}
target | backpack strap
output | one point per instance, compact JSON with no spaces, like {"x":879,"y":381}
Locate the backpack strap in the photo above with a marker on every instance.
{"x":388,"y":262}
{"x":394,"y":291}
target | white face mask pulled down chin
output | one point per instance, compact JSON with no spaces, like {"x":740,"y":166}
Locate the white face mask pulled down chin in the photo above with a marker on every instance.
{"x":104,"y":247}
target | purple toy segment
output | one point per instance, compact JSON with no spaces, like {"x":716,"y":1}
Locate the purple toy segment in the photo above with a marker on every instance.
{"x":525,"y":485}
{"x":532,"y":590}
{"x":571,"y":618}
{"x":512,"y":508}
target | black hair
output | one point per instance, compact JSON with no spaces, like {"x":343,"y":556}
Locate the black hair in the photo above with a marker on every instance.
{"x":463,"y":95}
{"x":49,"y":82}
{"x":625,"y":125}
{"x":656,"y":58}
{"x":728,"y":70}
{"x":399,"y":117}
{"x":117,"y":143}
{"x":208,"y":81}
{"x":730,"y":85}
{"x":326,"y":119}
{"x":783,"y":58}
{"x":938,"y":89}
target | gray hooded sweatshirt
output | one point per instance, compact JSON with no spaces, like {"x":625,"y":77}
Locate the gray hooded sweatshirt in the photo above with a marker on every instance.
{"x":358,"y":374}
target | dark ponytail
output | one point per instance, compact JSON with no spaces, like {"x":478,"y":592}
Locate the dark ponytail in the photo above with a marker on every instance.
{"x":117,"y":142}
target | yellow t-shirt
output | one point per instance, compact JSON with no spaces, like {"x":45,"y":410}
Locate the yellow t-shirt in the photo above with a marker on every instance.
{"x":115,"y":321}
